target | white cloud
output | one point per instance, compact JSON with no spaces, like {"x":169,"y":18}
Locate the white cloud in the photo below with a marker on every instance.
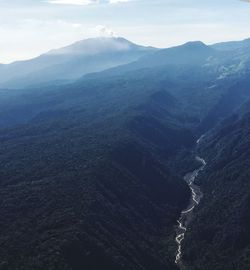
{"x":118,"y":1}
{"x":72,"y":2}
{"x":104,"y":31}
{"x":86,"y":2}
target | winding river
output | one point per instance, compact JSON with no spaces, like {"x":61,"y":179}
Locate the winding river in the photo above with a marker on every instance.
{"x":186,"y":214}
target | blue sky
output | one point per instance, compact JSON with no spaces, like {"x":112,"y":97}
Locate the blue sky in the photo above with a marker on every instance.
{"x":31,"y":27}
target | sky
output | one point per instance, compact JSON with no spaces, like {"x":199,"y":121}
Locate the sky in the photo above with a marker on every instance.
{"x":29,"y":28}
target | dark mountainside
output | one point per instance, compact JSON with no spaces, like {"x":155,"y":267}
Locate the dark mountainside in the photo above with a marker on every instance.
{"x":91,"y":172}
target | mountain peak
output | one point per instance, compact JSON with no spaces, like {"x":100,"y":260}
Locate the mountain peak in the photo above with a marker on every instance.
{"x":195,"y":53}
{"x":92,"y":46}
{"x":196,"y":45}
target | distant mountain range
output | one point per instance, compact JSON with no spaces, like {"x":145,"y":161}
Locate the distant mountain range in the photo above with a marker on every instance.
{"x":88,"y":56}
{"x":71,"y":62}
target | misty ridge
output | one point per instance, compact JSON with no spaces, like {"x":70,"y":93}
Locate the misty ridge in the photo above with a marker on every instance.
{"x":98,"y":54}
{"x":121,"y":156}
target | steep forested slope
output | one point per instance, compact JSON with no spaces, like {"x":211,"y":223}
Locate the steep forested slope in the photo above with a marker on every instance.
{"x":85,"y":183}
{"x":219,"y":237}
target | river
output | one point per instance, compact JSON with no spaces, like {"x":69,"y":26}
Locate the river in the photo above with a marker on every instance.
{"x":186,"y":214}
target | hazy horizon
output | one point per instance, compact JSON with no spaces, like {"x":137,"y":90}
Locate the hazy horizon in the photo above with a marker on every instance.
{"x":66,"y":45}
{"x":30,"y":28}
